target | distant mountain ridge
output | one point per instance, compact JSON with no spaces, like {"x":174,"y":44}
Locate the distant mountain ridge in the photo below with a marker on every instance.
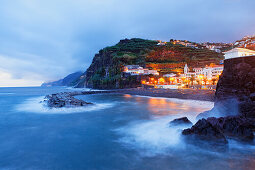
{"x":70,"y":80}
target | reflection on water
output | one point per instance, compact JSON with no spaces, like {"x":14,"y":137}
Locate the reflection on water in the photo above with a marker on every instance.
{"x":127,"y":96}
{"x":170,"y":106}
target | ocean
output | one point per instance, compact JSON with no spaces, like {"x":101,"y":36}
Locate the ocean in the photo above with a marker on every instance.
{"x":118,"y":132}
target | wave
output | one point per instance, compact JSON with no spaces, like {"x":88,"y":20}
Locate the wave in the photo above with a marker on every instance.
{"x":151,"y":137}
{"x":35,"y":105}
{"x":6,"y":93}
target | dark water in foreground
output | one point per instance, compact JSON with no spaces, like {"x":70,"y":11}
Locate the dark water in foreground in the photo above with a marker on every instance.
{"x":118,"y":132}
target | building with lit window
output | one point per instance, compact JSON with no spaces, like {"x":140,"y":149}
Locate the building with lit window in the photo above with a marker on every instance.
{"x":238,"y":52}
{"x":138,"y":70}
{"x":208,"y":72}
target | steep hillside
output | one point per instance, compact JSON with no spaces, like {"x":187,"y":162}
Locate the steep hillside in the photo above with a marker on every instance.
{"x":70,"y":80}
{"x":172,"y":58}
{"x":106,"y":67}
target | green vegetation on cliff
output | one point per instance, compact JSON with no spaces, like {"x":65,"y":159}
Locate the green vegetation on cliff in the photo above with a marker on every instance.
{"x":106,"y":67}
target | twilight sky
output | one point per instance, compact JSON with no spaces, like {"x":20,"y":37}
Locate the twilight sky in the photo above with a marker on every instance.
{"x":43,"y":40}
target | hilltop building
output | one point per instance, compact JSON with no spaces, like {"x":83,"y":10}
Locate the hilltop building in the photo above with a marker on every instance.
{"x":238,"y":52}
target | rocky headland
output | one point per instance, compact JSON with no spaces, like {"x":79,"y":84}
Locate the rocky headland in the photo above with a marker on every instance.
{"x":233,"y":115}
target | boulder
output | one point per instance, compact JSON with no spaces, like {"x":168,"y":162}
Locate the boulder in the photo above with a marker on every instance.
{"x":180,"y":121}
{"x":235,"y":127}
{"x":204,"y":130}
{"x":217,"y":129}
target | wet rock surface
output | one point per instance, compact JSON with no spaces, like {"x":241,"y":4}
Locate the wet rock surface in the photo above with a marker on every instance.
{"x":218,"y":129}
{"x":235,"y":127}
{"x":204,"y":130}
{"x":64,"y":100}
{"x":67,"y":99}
{"x":180,"y":121}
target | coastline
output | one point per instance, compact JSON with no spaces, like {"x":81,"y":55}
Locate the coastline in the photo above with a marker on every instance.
{"x":194,"y":94}
{"x":67,"y":99}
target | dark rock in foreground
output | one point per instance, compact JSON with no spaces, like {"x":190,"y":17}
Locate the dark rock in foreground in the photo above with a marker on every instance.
{"x":64,"y":100}
{"x":180,"y":121}
{"x":204,"y":130}
{"x":235,"y":127}
{"x":217,"y":129}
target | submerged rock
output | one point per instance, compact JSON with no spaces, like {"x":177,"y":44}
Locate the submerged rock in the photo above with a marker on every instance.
{"x":204,"y":130}
{"x":180,"y":121}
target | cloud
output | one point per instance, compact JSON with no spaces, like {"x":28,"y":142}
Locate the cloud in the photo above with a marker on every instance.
{"x":53,"y":38}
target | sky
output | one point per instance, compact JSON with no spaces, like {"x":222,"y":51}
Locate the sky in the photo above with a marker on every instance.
{"x":44,"y":40}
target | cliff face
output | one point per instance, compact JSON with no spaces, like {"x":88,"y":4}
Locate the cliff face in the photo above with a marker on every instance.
{"x":236,"y":87}
{"x":106,"y":67}
{"x":235,"y":92}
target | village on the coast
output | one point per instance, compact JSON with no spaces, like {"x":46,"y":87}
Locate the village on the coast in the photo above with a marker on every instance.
{"x":195,"y":78}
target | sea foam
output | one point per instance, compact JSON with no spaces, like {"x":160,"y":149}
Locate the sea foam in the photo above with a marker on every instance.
{"x":151,"y":137}
{"x":35,"y":105}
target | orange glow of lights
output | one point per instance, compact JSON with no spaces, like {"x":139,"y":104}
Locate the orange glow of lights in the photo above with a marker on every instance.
{"x":161,"y":80}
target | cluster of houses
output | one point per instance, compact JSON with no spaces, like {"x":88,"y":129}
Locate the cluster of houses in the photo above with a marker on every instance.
{"x":207,"y":75}
{"x":246,"y":41}
{"x":208,"y":72}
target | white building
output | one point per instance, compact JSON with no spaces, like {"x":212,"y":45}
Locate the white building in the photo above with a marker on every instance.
{"x":169,"y":75}
{"x":137,"y":70}
{"x":238,"y":52}
{"x":208,"y":72}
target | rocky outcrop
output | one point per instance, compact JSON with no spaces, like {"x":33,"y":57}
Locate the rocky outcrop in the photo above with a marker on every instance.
{"x":237,"y":127}
{"x":64,"y":100}
{"x":233,"y":115}
{"x":218,"y":129}
{"x":204,"y":130}
{"x":67,"y":99}
{"x":180,"y":122}
{"x":235,"y":92}
{"x":106,"y":67}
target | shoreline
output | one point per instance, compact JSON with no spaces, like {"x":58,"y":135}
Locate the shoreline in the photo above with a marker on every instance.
{"x":193,"y":94}
{"x":67,"y":98}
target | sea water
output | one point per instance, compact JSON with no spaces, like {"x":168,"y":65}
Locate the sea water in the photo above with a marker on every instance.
{"x":117,"y":132}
